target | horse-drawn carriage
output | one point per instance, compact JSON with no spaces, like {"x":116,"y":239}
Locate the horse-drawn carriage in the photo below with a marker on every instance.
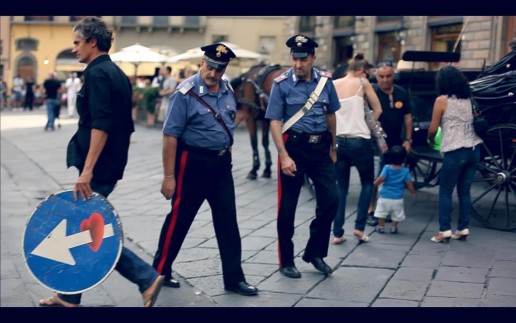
{"x":494,"y":187}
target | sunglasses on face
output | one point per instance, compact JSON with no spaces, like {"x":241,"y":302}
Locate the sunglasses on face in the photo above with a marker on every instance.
{"x":382,"y":64}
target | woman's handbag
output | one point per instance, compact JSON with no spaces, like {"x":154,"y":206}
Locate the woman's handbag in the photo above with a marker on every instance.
{"x":376,"y":129}
{"x":480,"y":123}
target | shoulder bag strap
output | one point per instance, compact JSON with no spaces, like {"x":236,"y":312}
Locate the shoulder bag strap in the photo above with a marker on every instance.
{"x":215,"y":115}
{"x":308,"y":105}
{"x":474,"y":106}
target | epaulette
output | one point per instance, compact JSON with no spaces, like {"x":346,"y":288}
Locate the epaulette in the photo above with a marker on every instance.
{"x":228,"y":85}
{"x":283,"y":76}
{"x":184,"y":88}
{"x":326,"y":74}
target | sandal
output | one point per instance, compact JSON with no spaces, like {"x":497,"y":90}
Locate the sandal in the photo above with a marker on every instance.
{"x":151,"y":294}
{"x":380,"y":229}
{"x":338,"y":240}
{"x":394,"y":230}
{"x":360,"y":236}
{"x":55,"y":300}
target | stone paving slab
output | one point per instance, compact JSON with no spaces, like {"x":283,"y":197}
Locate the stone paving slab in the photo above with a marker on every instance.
{"x":404,"y":270}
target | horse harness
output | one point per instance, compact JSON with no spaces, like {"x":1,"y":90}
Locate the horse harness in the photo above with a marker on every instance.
{"x":257,"y":84}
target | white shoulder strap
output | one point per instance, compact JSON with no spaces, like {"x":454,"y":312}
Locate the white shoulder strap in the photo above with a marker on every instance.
{"x":308,"y":105}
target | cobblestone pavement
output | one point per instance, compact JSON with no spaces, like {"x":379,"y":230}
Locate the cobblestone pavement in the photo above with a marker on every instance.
{"x":403,"y":270}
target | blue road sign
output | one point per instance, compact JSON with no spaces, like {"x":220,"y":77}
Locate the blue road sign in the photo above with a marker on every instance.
{"x":72,"y":246}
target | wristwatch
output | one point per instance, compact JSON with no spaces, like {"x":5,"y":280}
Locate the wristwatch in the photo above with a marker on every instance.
{"x":335,"y":147}
{"x":409,"y":140}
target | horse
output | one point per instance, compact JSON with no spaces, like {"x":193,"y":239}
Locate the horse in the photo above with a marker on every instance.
{"x":252,"y":90}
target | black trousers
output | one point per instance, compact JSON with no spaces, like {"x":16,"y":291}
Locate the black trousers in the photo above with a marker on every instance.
{"x":201,"y":176}
{"x":312,"y":159}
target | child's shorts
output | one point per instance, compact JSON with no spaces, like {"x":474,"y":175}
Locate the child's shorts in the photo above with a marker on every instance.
{"x":394,"y":208}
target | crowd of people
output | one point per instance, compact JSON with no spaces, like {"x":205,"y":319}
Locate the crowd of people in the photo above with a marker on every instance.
{"x":320,"y":138}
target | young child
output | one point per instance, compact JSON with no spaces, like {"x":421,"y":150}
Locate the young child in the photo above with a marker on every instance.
{"x":394,"y":178}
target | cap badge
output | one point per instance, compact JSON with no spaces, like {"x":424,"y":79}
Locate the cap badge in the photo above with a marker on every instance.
{"x":221,"y":49}
{"x":300,"y":40}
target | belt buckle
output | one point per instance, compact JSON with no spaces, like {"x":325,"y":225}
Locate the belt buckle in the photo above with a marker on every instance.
{"x":314,"y":139}
{"x":222,"y":152}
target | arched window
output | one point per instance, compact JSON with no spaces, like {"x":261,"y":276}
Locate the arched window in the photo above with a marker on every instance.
{"x":26,"y":44}
{"x":25,"y":66}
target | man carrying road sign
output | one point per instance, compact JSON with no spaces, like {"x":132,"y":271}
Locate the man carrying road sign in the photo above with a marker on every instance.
{"x":99,"y":150}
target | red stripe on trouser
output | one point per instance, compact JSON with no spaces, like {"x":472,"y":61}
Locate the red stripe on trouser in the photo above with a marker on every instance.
{"x":175,"y":211}
{"x":285,"y":137}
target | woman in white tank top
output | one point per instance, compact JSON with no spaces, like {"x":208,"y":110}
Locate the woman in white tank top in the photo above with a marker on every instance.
{"x":354,"y":144}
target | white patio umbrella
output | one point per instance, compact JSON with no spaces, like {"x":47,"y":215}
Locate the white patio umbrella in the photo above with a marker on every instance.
{"x":137,"y":54}
{"x":196,"y":53}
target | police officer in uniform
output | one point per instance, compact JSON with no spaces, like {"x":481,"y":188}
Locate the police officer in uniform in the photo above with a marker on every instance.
{"x":307,"y":147}
{"x":197,"y":163}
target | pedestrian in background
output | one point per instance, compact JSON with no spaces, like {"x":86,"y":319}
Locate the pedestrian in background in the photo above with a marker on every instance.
{"x":307,"y":147}
{"x":99,"y":148}
{"x":52,"y":103}
{"x":3,"y":94}
{"x":73,"y":85}
{"x":197,"y":167}
{"x":355,"y":147}
{"x":460,"y":147}
{"x":169,"y":86}
{"x":17,"y":91}
{"x":29,"y":94}
{"x":396,"y":120}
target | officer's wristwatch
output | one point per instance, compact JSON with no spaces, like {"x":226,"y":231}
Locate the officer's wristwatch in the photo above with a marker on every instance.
{"x":409,"y":140}
{"x":334,"y":147}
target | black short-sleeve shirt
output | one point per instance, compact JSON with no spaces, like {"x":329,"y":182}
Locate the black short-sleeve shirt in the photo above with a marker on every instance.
{"x":392,"y":117}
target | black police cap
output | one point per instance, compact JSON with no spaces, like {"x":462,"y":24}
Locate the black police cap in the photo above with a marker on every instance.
{"x":301,"y":46}
{"x":217,"y":55}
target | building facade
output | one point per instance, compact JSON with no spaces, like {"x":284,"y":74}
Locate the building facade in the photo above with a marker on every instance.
{"x":35,"y":45}
{"x":481,"y":40}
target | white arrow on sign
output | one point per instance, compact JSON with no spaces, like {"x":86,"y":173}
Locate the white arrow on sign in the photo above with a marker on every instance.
{"x":56,"y":246}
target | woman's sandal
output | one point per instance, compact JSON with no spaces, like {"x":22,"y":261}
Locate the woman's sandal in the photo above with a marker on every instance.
{"x":361,"y":237}
{"x":55,"y":300}
{"x":338,"y":240}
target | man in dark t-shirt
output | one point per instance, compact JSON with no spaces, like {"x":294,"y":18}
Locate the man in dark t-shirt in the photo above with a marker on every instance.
{"x":51,"y":86}
{"x":396,"y":119}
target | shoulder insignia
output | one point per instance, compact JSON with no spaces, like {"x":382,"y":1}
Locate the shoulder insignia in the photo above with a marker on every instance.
{"x":282,"y":77}
{"x":228,"y":85}
{"x":326,"y":74}
{"x":186,"y":87}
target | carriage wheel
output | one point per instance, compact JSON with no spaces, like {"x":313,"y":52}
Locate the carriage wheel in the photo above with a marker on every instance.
{"x":493,"y":193}
{"x":425,"y":173}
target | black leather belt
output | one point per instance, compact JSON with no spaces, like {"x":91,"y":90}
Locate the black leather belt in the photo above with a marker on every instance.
{"x":206,"y":151}
{"x":309,"y":138}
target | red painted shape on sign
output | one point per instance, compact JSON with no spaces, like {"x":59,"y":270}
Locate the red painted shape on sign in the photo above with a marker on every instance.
{"x":95,"y":224}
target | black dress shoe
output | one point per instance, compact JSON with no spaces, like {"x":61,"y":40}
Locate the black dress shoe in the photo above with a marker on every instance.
{"x":243,"y":288}
{"x":371,"y":220}
{"x":171,"y":282}
{"x":290,"y":272}
{"x":320,"y":265}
